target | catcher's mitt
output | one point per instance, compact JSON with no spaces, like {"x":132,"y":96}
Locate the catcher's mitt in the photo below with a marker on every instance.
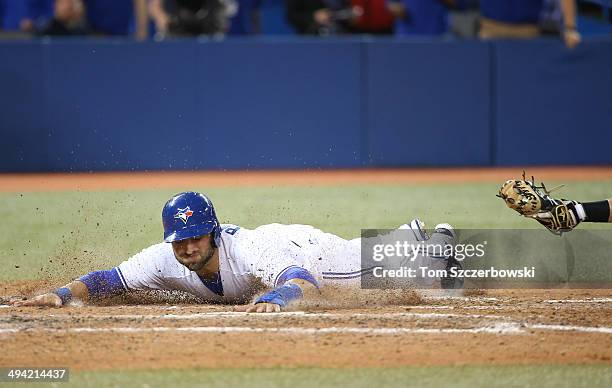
{"x":530,"y":200}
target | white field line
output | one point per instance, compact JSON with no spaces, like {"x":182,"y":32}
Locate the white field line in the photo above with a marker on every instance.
{"x":432,"y":307}
{"x":485,"y":307}
{"x":507,"y":327}
{"x":465,"y":298}
{"x":426,"y":307}
{"x":498,"y":328}
{"x":489,"y":299}
{"x":271,"y":316}
{"x":584,"y":329}
{"x":586,"y":304}
{"x":413,"y":315}
{"x":506,"y":307}
{"x":593,"y":300}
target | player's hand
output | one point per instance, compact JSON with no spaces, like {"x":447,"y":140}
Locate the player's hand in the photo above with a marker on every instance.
{"x":571,"y":38}
{"x":259,"y":308}
{"x":45,"y":300}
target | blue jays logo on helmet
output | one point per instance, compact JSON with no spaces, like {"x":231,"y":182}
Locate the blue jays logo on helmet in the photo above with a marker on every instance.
{"x":190,"y":214}
{"x":183,"y":214}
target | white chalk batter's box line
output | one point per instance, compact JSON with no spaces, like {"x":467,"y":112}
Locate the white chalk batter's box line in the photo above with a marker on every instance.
{"x":496,"y":328}
{"x":593,"y":300}
{"x":491,"y":299}
{"x":460,"y":298}
{"x":301,"y":314}
{"x":406,"y":315}
{"x":506,"y":326}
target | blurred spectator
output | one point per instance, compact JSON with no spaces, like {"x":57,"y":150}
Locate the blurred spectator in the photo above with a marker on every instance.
{"x":118,"y":17}
{"x":463,"y":19}
{"x":246,"y":19}
{"x":38,"y":15}
{"x":521,"y":19}
{"x":421,"y":17}
{"x":321,"y":17}
{"x":68,"y":19}
{"x":105,"y":17}
{"x":13,"y":11}
{"x":551,"y":17}
{"x":191,"y":17}
{"x":25,"y":15}
{"x":375,"y":17}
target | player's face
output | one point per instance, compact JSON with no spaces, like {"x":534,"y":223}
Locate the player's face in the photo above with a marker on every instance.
{"x":194,"y":253}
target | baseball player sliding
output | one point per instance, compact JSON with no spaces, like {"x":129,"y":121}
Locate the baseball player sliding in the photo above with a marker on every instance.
{"x":229,"y":264}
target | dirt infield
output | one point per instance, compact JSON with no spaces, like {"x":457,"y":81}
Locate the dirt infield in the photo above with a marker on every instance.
{"x":496,"y":327}
{"x":143,"y":180}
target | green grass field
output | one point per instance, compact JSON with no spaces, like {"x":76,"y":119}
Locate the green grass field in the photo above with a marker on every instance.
{"x":60,"y":235}
{"x":541,"y":376}
{"x":460,"y":376}
{"x":64,"y":234}
{"x":537,"y":376}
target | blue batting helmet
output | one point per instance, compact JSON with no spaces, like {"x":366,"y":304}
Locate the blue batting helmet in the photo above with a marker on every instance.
{"x":188,"y":215}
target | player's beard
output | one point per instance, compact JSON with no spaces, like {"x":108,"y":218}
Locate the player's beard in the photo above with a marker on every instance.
{"x":205,"y":258}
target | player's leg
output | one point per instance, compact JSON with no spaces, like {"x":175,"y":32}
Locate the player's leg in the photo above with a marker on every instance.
{"x":449,"y":282}
{"x":341,"y":260}
{"x":442,"y":237}
{"x":418,"y":228}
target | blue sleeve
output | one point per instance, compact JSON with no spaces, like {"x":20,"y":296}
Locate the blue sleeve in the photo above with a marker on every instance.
{"x":295,"y":272}
{"x":285,"y":293}
{"x":282,"y":295}
{"x":102,"y":284}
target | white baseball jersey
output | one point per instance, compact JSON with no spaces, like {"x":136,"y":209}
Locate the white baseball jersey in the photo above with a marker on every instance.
{"x":248,"y":258}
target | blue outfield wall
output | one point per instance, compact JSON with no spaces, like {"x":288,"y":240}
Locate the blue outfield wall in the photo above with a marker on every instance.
{"x":22,"y":127}
{"x":101,"y":105}
{"x":553,"y":106}
{"x":427,"y":103}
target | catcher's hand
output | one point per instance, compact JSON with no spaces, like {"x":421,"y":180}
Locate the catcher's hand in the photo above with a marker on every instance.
{"x":529,"y":200}
{"x":560,"y":219}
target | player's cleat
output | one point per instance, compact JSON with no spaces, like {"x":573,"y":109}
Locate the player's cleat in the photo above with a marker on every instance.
{"x":447,"y":229}
{"x":418,"y":227}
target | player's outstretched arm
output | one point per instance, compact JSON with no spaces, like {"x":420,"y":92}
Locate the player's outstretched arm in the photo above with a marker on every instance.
{"x":96,"y":285}
{"x":294,"y":283}
{"x":76,"y":289}
{"x":278,"y":302}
